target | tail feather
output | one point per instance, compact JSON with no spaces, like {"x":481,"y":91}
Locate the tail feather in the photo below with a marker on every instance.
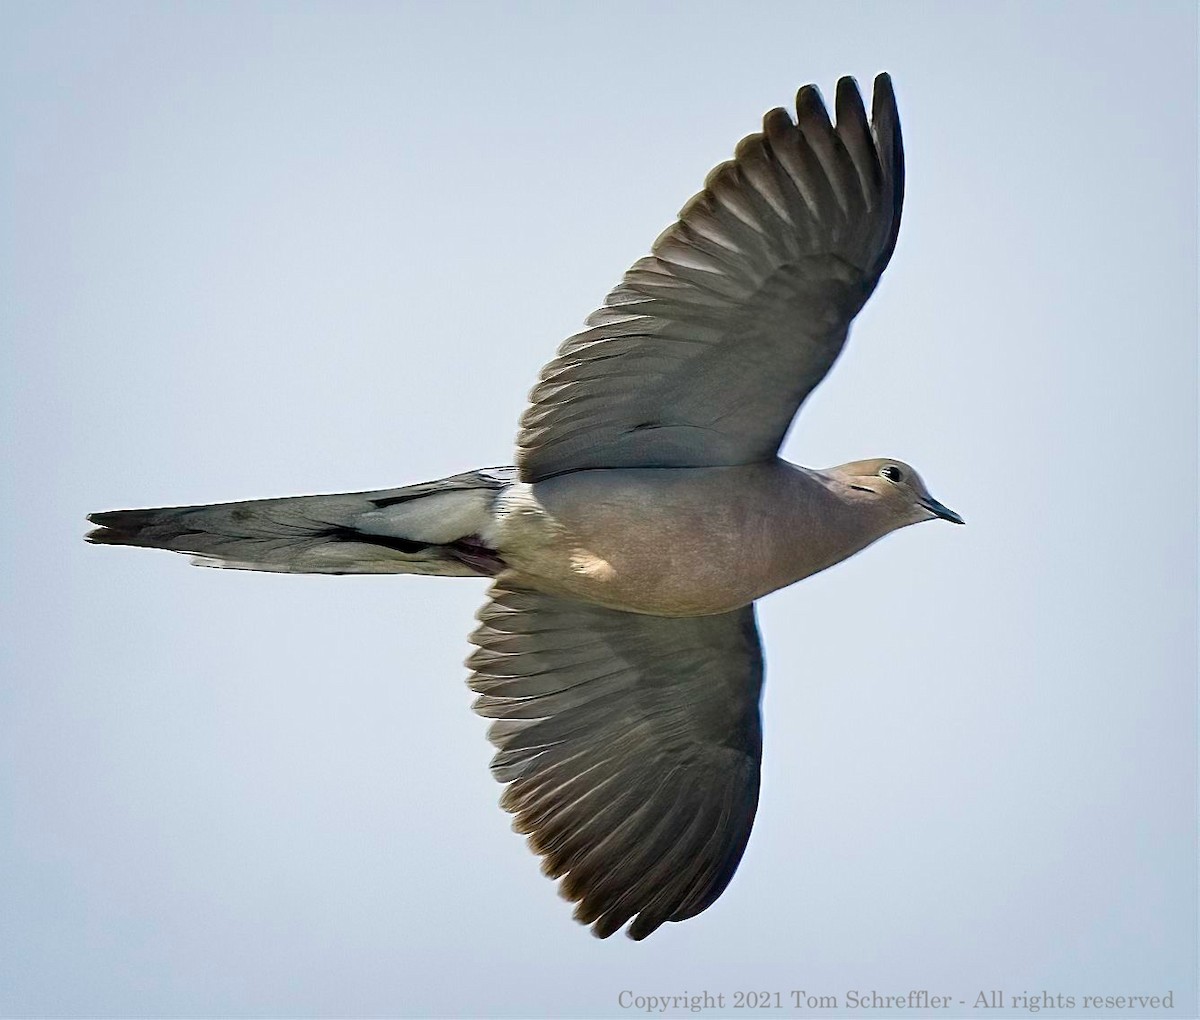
{"x":434,"y":528}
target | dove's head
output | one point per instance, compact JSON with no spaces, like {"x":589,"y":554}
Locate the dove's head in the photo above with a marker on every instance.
{"x":893,"y":489}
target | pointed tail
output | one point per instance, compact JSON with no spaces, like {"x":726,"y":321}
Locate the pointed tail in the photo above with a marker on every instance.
{"x":438,"y":527}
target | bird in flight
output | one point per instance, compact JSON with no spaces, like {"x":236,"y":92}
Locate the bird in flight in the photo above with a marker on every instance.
{"x":617,"y":652}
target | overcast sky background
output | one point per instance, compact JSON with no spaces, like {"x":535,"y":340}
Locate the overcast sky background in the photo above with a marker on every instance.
{"x":266,"y":249}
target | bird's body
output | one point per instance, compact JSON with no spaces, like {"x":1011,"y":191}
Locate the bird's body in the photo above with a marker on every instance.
{"x":706,"y":540}
{"x":618,"y":653}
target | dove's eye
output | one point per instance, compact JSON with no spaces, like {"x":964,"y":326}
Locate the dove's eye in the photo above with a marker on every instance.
{"x":891,"y":473}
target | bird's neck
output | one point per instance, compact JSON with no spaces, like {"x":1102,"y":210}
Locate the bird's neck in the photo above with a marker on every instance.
{"x":821,"y":526}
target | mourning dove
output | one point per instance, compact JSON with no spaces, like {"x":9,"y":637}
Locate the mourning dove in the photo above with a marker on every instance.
{"x":618,"y":652}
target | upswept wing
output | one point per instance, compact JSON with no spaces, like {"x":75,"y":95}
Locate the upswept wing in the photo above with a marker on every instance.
{"x":706,"y":349}
{"x":631,"y":745}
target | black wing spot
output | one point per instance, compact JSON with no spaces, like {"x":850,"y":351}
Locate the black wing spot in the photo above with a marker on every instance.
{"x":401,"y":545}
{"x":395,"y":500}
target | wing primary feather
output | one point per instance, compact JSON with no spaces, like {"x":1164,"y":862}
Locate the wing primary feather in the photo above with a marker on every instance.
{"x":617,"y":775}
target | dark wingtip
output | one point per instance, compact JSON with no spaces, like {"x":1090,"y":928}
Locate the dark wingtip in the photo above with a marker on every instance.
{"x":123,"y":518}
{"x":885,"y":125}
{"x":885,"y":115}
{"x":641,"y":929}
{"x":97,"y":535}
{"x":847,"y":83}
{"x":852,"y":124}
{"x":777,"y":122}
{"x":118,"y":527}
{"x":604,"y":928}
{"x":810,"y":105}
{"x":105,"y":536}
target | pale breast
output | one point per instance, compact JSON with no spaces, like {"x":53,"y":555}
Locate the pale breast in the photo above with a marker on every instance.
{"x":667,"y":541}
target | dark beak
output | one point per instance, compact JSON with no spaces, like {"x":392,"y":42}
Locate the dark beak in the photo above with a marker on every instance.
{"x":944,"y":512}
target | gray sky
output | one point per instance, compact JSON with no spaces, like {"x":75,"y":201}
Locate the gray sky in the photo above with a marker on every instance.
{"x":267,"y":249}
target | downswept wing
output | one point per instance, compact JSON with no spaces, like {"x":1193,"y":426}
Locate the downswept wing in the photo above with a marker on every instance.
{"x":706,"y":349}
{"x":631,"y":745}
